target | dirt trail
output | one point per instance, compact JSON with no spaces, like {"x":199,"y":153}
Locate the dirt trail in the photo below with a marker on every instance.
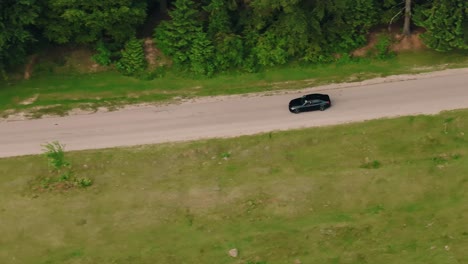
{"x":230,"y":116}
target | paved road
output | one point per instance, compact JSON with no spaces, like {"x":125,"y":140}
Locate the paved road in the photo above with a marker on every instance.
{"x":239,"y":115}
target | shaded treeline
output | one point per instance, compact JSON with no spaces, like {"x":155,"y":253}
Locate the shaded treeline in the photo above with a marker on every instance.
{"x":209,"y":36}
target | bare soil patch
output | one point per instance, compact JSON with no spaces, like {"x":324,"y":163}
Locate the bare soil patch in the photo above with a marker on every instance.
{"x":30,"y":100}
{"x":29,"y":67}
{"x":151,"y":53}
{"x":405,"y":43}
{"x":400,"y":42}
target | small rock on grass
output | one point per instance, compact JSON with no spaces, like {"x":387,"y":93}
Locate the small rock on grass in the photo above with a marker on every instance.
{"x":233,"y":252}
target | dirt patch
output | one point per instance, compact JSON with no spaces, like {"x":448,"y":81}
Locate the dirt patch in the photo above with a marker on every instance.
{"x":66,"y":59}
{"x":404,"y":43}
{"x":29,"y":67}
{"x":150,"y":52}
{"x":81,"y":60}
{"x":371,"y":41}
{"x":400,"y":41}
{"x":29,"y":100}
{"x":154,"y":56}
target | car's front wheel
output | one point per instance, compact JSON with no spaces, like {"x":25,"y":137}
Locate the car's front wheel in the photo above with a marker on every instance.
{"x":296,"y":111}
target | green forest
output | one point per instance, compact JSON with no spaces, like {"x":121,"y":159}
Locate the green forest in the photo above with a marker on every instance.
{"x":205,"y":37}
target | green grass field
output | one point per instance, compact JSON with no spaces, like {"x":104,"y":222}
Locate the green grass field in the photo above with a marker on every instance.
{"x":58,"y":93}
{"x":383,"y":191}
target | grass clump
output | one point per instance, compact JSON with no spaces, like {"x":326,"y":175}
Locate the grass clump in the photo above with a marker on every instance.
{"x":61,"y":175}
{"x":55,"y":154}
{"x":374,"y":164}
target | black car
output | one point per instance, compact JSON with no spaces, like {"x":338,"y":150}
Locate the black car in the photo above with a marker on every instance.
{"x":310,"y":102}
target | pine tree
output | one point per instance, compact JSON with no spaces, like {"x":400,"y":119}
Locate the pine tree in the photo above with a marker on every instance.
{"x":446,"y":24}
{"x":201,"y":55}
{"x":133,"y":58}
{"x":175,"y":37}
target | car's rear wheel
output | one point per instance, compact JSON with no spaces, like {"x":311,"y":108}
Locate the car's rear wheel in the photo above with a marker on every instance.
{"x":296,"y":111}
{"x":322,"y":107}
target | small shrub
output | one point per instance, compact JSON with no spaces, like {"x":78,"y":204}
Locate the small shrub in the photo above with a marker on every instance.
{"x":382,"y":47}
{"x":449,"y":120}
{"x":61,"y":176}
{"x":375,"y":164}
{"x":158,"y":72}
{"x":84,"y":182}
{"x":225,"y":155}
{"x":439,"y":160}
{"x":65,"y":176}
{"x":103,"y":56}
{"x":344,"y":59}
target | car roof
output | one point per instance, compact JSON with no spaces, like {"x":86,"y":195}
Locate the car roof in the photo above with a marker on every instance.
{"x":317,"y":96}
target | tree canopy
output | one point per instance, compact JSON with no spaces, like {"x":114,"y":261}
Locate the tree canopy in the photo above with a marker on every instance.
{"x":446,"y":22}
{"x":83,"y":21}
{"x":208,"y":36}
{"x":16,"y":20}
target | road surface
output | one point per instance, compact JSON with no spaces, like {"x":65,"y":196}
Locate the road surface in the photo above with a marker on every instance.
{"x":229,"y":116}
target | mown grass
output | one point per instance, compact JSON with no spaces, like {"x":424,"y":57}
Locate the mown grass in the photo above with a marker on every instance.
{"x":60,"y":92}
{"x":383,"y":191}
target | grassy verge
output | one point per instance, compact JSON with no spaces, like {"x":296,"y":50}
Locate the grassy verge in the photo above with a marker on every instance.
{"x":59,"y":93}
{"x":384,"y":191}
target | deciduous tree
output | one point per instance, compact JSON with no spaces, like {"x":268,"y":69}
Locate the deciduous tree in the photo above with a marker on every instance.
{"x":228,"y":46}
{"x":83,"y":21}
{"x":16,"y":19}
